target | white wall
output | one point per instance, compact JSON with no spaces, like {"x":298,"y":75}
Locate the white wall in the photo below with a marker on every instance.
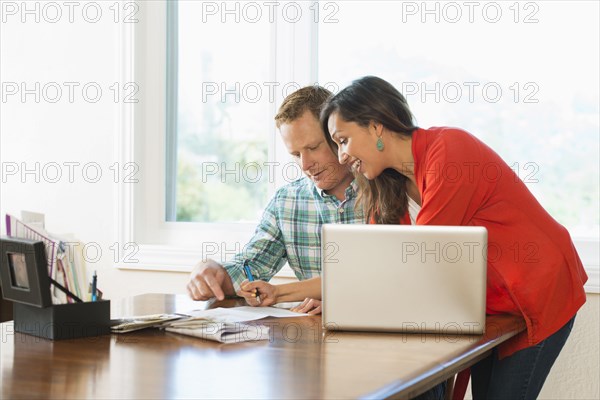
{"x":84,"y":132}
{"x":576,"y":371}
{"x":70,"y":130}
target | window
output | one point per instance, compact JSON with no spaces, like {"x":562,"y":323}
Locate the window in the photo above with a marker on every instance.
{"x":202,"y":136}
{"x":220,"y":121}
{"x":522,"y":76}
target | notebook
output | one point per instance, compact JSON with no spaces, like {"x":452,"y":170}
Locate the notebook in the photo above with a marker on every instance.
{"x":402,"y":278}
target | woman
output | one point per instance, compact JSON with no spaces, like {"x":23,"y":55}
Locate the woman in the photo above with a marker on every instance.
{"x":455,"y":179}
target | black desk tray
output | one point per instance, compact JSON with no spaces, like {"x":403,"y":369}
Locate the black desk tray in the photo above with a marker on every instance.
{"x":63,"y":321}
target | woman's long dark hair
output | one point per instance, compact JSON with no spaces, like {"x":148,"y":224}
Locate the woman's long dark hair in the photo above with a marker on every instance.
{"x":366,"y":100}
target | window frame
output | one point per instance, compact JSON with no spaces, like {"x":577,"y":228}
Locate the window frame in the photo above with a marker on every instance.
{"x":141,"y":207}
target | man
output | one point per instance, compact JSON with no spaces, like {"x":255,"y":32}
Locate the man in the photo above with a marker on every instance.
{"x":290,"y":228}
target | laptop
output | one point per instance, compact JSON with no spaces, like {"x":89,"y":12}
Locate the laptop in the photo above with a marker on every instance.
{"x":401,"y":278}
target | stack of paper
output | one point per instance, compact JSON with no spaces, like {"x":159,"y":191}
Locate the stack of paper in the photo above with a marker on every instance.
{"x":226,"y":325}
{"x":147,"y":321}
{"x":224,"y":332}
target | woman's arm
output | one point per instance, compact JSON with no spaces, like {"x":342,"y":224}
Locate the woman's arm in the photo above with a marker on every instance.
{"x":270,"y":294}
{"x":298,"y":291}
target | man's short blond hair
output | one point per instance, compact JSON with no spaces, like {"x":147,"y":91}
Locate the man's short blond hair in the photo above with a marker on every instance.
{"x":295,"y":105}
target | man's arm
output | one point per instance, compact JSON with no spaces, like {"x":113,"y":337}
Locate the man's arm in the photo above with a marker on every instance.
{"x":265,"y":252}
{"x":209,"y":279}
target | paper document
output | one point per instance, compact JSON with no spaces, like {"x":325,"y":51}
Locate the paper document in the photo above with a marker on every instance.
{"x":226,"y":325}
{"x":287,"y":305}
{"x":132,"y":324}
{"x":224,"y":332}
{"x":244,"y":313}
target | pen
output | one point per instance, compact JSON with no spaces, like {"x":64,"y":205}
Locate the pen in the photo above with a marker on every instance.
{"x":250,"y":277}
{"x":94,"y":286}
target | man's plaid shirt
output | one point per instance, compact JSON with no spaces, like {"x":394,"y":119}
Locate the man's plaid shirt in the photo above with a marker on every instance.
{"x":290,"y":230}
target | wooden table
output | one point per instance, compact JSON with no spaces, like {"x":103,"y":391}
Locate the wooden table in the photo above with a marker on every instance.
{"x":299,"y":361}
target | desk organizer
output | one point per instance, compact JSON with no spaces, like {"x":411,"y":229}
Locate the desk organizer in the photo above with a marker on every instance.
{"x":63,"y":321}
{"x":25,"y":282}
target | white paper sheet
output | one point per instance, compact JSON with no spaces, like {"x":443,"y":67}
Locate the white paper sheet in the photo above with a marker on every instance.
{"x":245,"y":313}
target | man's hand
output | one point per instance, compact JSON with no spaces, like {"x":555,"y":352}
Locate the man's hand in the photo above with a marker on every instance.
{"x":209,"y":279}
{"x":309,"y":306}
{"x":250,"y":290}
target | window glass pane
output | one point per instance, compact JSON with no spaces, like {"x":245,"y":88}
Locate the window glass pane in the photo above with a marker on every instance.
{"x":522,"y":76}
{"x":222,"y":113}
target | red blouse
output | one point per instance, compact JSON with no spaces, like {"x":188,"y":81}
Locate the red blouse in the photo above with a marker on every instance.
{"x":533,"y":268}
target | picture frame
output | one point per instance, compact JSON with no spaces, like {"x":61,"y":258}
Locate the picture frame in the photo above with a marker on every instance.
{"x":24,"y":272}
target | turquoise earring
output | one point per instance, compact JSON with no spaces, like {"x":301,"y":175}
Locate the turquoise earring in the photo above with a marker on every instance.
{"x":380,"y":145}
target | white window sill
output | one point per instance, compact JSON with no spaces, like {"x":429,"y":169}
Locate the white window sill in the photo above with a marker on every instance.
{"x":172,"y":259}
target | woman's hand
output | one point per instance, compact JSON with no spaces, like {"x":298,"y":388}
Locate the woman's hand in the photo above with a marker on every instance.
{"x":250,"y":290}
{"x":309,"y":306}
